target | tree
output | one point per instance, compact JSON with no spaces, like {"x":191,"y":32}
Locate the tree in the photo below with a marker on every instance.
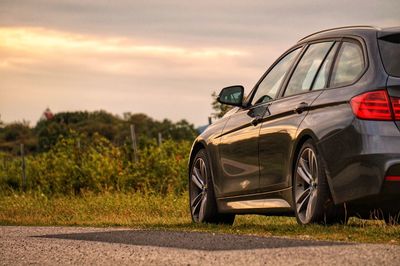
{"x":13,"y":134}
{"x":114,"y":128}
{"x":219,"y":108}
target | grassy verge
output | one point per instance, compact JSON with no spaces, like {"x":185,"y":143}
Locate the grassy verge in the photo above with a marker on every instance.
{"x":171,"y":213}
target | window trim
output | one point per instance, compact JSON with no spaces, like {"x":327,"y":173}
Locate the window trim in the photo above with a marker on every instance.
{"x":328,"y":82}
{"x":329,"y":67}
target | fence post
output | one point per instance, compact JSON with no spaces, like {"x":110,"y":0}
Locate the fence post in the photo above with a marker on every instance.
{"x":23,"y":166}
{"x":159,"y":138}
{"x":134,"y":145}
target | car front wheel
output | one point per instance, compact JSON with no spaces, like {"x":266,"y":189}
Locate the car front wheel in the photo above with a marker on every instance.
{"x":203,"y":206}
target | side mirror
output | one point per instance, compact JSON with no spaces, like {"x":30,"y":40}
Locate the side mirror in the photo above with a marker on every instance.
{"x":232,"y":95}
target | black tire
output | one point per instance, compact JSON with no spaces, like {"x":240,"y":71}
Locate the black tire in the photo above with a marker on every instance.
{"x":203,"y":205}
{"x":312,"y":200}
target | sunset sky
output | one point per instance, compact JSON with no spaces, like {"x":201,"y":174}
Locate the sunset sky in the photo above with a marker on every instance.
{"x":163,"y":58}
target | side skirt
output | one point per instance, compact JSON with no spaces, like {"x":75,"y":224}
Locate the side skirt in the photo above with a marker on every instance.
{"x":272,"y":203}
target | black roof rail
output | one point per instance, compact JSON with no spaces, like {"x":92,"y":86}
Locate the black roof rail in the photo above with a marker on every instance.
{"x":339,"y":28}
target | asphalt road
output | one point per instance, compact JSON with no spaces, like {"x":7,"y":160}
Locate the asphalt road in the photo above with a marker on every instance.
{"x":123,"y":246}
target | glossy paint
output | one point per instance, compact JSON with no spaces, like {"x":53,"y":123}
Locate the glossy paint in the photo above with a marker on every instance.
{"x":238,"y":148}
{"x":253,"y":148}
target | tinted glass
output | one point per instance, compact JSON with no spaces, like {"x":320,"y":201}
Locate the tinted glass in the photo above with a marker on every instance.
{"x":322,"y":76}
{"x":390,"y":51}
{"x":349,"y":65}
{"x":268,"y":88}
{"x":307,"y":68}
{"x":231,"y":95}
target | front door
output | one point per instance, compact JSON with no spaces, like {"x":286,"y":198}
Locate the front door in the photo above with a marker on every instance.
{"x":239,"y":152}
{"x":239,"y":145}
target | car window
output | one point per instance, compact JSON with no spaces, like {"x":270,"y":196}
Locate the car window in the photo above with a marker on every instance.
{"x":323,"y":74}
{"x":390,"y":51}
{"x":269,"y":86}
{"x":349,"y":65}
{"x":307,"y":68}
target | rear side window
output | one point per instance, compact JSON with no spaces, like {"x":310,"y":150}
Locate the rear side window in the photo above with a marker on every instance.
{"x":390,"y":52}
{"x":307,"y":68}
{"x":349,"y":65}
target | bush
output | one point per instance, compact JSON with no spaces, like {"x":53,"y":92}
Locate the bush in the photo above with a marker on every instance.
{"x":10,"y":173}
{"x":78,"y":163}
{"x":160,"y":168}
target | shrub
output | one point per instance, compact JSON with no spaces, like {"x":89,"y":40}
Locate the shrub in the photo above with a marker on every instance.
{"x":77,"y":163}
{"x":160,"y":169}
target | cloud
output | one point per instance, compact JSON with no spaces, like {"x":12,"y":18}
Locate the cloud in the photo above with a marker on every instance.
{"x":76,"y":71}
{"x":201,"y":21}
{"x":163,"y":58}
{"x":36,"y":45}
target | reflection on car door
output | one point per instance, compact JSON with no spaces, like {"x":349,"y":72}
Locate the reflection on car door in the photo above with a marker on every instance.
{"x":239,"y":152}
{"x":286,"y":113}
{"x":238,"y":148}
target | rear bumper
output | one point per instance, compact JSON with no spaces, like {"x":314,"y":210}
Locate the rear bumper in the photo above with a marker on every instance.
{"x":357,"y":160}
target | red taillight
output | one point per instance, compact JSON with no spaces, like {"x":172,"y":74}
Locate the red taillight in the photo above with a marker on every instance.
{"x":392,"y":178}
{"x":372,"y":106}
{"x":396,"y":107}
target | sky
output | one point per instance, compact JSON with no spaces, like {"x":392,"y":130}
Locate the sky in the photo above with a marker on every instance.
{"x":162,"y":58}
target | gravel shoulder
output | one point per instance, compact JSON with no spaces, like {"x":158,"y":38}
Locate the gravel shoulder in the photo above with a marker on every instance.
{"x":20,"y":245}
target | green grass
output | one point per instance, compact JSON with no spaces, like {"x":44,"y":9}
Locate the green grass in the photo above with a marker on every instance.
{"x":171,"y":213}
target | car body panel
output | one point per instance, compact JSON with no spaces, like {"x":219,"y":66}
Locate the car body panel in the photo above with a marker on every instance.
{"x":238,"y":150}
{"x":277,"y":137}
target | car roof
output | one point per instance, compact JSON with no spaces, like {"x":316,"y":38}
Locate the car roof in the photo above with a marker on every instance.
{"x":361,"y":30}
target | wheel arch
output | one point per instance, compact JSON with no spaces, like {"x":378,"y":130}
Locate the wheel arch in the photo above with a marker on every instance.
{"x":196,"y":147}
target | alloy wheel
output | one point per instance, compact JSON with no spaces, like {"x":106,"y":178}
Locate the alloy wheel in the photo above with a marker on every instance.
{"x":306,"y":191}
{"x":198,"y":193}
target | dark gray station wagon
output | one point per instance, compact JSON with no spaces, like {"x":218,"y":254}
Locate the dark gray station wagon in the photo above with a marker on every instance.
{"x":317,"y":137}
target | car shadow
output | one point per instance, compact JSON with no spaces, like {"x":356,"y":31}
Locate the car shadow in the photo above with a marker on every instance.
{"x":190,"y":240}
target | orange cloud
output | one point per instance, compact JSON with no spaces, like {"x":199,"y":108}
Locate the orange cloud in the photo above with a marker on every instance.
{"x":25,"y":48}
{"x":39,"y":40}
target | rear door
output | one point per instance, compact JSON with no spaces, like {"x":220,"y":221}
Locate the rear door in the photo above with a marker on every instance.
{"x":279,"y":126}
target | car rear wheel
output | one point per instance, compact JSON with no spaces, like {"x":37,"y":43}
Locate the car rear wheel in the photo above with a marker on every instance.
{"x":203,"y":206}
{"x":311,"y":195}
